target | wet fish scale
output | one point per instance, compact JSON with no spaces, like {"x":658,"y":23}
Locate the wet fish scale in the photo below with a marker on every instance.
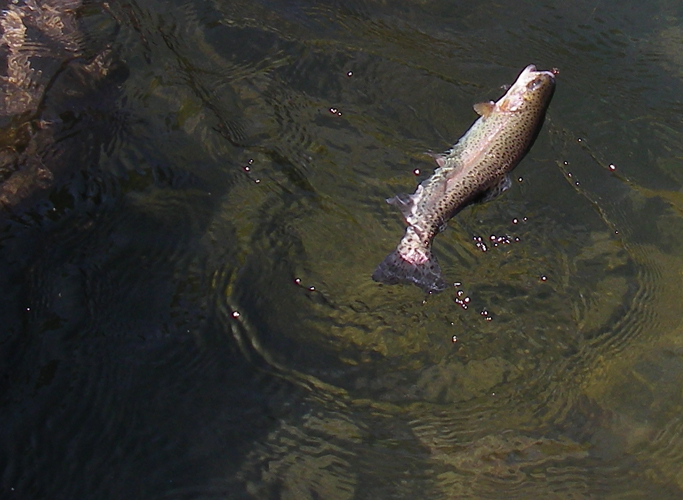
{"x":474,"y":169}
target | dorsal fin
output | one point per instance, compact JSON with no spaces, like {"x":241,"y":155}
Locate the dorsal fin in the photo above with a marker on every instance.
{"x":404,"y":202}
{"x":439,"y":158}
{"x":484,"y":108}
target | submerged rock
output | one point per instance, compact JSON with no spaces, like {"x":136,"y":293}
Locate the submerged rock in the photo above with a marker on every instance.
{"x":51,"y":79}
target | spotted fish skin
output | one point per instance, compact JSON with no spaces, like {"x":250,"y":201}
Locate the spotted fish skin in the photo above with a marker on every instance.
{"x":475,"y":169}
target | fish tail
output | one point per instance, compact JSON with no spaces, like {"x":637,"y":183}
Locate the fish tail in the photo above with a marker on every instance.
{"x":396,"y":269}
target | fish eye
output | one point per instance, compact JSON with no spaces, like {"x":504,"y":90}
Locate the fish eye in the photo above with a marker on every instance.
{"x":534,"y":84}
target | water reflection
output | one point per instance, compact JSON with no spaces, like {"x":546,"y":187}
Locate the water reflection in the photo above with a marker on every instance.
{"x":177,"y":329}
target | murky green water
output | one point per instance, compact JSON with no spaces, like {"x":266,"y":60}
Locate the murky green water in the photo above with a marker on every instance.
{"x":188,"y":312}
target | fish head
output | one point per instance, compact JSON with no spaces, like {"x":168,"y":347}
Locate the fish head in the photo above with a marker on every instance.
{"x":532,"y":89}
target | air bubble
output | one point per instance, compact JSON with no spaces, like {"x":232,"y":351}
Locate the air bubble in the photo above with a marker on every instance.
{"x":460,"y":300}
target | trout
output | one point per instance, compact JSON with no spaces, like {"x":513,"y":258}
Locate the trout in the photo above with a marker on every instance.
{"x":475,"y":169}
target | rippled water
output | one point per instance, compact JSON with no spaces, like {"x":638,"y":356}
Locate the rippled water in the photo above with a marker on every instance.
{"x":188,"y":311}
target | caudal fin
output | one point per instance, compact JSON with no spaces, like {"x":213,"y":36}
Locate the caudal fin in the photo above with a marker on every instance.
{"x":395,"y":269}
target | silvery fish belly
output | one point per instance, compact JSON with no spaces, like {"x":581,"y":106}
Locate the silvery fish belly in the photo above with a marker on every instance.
{"x":475,"y":169}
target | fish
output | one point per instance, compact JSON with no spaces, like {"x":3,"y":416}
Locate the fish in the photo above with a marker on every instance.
{"x":475,"y":169}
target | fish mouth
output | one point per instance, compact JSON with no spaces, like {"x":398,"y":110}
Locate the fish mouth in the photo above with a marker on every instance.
{"x":532,"y":70}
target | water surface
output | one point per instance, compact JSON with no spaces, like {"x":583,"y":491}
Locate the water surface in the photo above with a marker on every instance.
{"x":188,"y":312}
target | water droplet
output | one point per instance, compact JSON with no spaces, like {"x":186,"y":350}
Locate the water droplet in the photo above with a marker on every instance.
{"x":349,"y":74}
{"x":297,"y":281}
{"x":416,"y":171}
{"x":311,"y":289}
{"x":460,"y":300}
{"x":612,"y":167}
{"x":454,"y":339}
{"x":235,"y":314}
{"x":480,"y":243}
{"x":544,"y":277}
{"x":515,"y":221}
{"x":334,"y":111}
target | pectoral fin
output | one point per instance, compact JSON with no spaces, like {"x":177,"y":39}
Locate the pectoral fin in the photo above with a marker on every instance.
{"x":484,"y":108}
